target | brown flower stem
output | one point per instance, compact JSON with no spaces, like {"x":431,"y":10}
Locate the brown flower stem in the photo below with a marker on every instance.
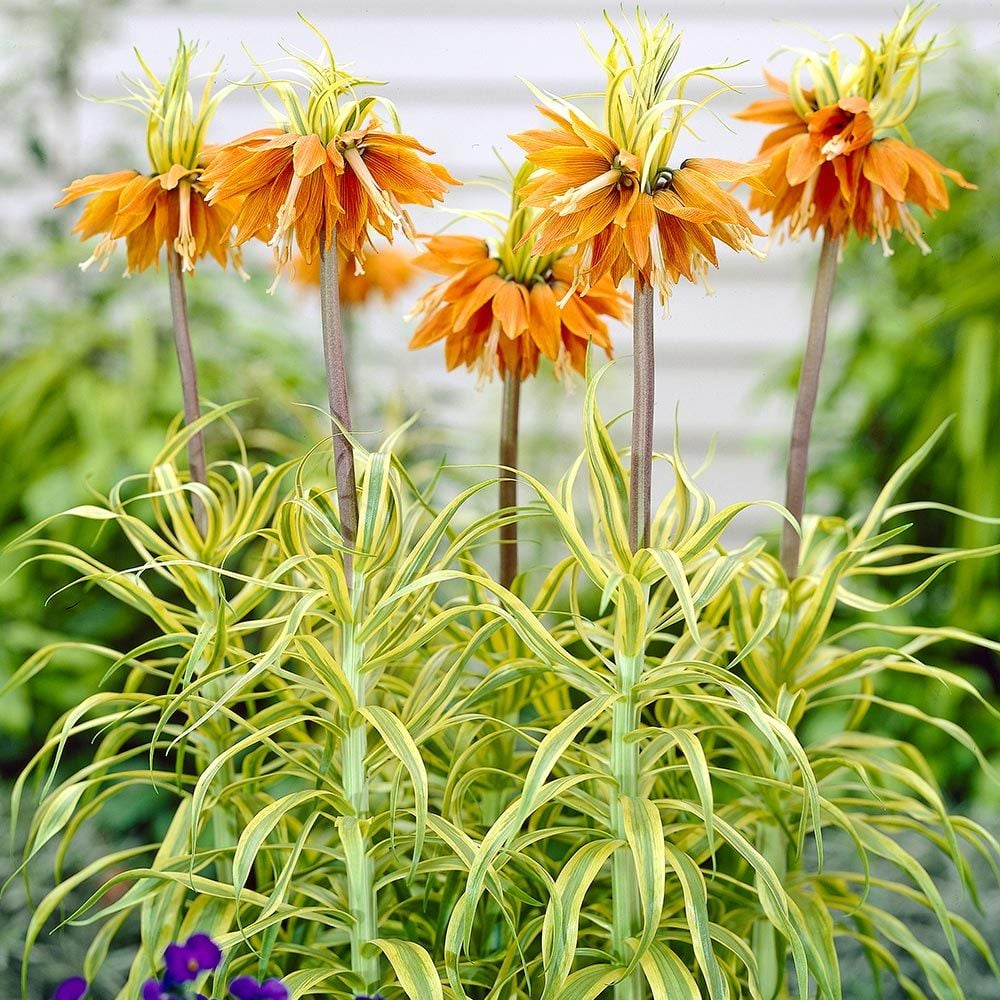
{"x":805,"y":402}
{"x":189,"y":382}
{"x":340,"y":413}
{"x":509,"y":410}
{"x":643,"y":388}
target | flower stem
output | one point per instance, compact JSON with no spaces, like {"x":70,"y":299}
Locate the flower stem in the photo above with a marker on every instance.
{"x":340,"y":414}
{"x":509,"y":409}
{"x":189,"y":382}
{"x":805,"y":401}
{"x":625,"y":904}
{"x":643,"y":389}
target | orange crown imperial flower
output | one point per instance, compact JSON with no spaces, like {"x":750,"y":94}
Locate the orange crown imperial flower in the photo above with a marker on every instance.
{"x":834,"y":163}
{"x":501,"y":307}
{"x":387,"y":272}
{"x":612,"y":193}
{"x":167,"y":207}
{"x":331,"y":166}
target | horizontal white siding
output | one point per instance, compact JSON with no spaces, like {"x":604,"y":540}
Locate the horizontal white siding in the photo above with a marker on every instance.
{"x":453,"y":71}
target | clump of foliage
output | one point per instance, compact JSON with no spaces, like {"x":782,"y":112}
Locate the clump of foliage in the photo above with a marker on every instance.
{"x":86,"y":375}
{"x":495,"y":729}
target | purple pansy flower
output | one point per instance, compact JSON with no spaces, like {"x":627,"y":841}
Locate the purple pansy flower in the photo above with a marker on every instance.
{"x":153,"y":989}
{"x":247,"y":988}
{"x":374,"y":996}
{"x":185,"y":962}
{"x":71,"y":989}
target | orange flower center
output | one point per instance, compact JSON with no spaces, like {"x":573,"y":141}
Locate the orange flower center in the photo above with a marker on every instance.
{"x":842,"y":127}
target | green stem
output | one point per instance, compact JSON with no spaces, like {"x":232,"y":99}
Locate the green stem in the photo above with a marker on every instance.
{"x":768,"y":945}
{"x":361,"y":897}
{"x":643,"y":392}
{"x":805,"y":402}
{"x":189,"y":382}
{"x":219,"y":737}
{"x":625,"y":903}
{"x":509,"y":409}
{"x":340,"y":412}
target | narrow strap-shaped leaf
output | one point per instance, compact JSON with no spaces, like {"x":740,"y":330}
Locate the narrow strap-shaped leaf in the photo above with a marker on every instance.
{"x":645,"y":838}
{"x":588,"y":984}
{"x":607,"y":477}
{"x":696,"y":910}
{"x":401,"y":745}
{"x":551,"y":749}
{"x":499,"y":836}
{"x":878,"y":512}
{"x":630,"y":617}
{"x":562,"y":916}
{"x":259,"y":829}
{"x":673,"y":569}
{"x":413,"y":967}
{"x":667,"y":975}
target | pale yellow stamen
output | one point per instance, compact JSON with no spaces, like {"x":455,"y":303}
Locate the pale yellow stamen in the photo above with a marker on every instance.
{"x":281,"y":241}
{"x":236,"y":255}
{"x":799,"y":219}
{"x":101,"y":253}
{"x":745,"y":240}
{"x":405,"y":222}
{"x":912,"y":229}
{"x":834,"y":147}
{"x":880,"y":211}
{"x":486,"y":364}
{"x":566,"y":204}
{"x":563,"y":366}
{"x":184,"y":242}
{"x":658,"y":271}
{"x":700,"y":267}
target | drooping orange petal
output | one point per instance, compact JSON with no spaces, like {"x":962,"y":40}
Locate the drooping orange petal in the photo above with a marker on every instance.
{"x":93,"y":183}
{"x":544,"y":319}
{"x":696,"y":190}
{"x":729,"y":171}
{"x":853,"y":105}
{"x":883,"y":166}
{"x":174,"y":176}
{"x":638,"y":228}
{"x":577,"y":165}
{"x":308,"y":154}
{"x":477,"y":298}
{"x":135,"y":204}
{"x":770,"y":112}
{"x":803,"y":160}
{"x":459,"y":249}
{"x":510,"y":306}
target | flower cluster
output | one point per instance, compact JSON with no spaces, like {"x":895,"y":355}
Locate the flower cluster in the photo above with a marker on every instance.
{"x":167,"y":207}
{"x":613,"y":192}
{"x":500,"y":308}
{"x":833,"y":161}
{"x":183,"y":965}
